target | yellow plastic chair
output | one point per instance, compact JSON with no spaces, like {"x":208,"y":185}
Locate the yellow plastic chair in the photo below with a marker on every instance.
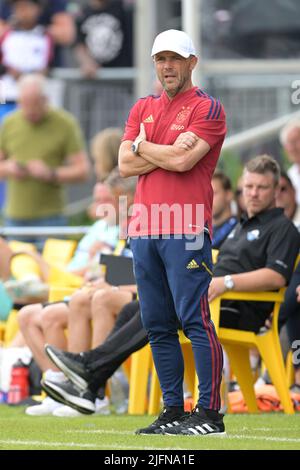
{"x":290,"y":372}
{"x":2,"y":331}
{"x":141,"y":366}
{"x":11,"y":327}
{"x":22,"y":264}
{"x":58,"y":252}
{"x":60,"y":277}
{"x":214,"y":255}
{"x":189,"y":376}
{"x":57,"y":293}
{"x":237,"y":344}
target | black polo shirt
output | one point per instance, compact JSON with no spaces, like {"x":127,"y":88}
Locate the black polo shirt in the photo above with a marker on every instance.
{"x":267,"y":240}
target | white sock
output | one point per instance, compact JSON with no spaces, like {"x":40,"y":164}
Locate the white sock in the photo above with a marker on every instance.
{"x":54,"y":376}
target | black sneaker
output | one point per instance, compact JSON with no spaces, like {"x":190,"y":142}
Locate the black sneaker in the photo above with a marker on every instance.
{"x":199,"y":422}
{"x":68,"y":394}
{"x":72,"y":365}
{"x":167,"y":419}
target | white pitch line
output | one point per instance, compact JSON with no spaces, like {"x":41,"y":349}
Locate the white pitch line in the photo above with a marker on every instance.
{"x":264,"y":438}
{"x":41,"y":444}
{"x":101,"y":431}
{"x":228,"y":436}
{"x":296,"y":428}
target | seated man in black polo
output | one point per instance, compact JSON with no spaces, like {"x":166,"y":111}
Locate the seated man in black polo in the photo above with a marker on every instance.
{"x":259,"y":254}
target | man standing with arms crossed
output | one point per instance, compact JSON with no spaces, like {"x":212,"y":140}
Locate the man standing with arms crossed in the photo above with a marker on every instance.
{"x":173,"y":143}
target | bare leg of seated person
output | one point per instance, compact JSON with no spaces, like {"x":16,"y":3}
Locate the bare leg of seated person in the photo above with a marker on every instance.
{"x":79,"y":324}
{"x":99,"y":364}
{"x":99,"y":308}
{"x":106,"y":306}
{"x":39,"y":325}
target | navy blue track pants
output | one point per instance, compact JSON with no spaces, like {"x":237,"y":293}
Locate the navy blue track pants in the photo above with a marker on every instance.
{"x":172,"y":283}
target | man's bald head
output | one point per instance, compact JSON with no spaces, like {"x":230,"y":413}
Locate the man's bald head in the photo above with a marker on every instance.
{"x":33,"y":99}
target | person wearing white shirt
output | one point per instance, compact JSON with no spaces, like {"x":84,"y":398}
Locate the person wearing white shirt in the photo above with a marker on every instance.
{"x":290,"y":140}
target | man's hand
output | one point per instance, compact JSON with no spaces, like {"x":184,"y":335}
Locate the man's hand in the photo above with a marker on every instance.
{"x":89,"y":68}
{"x":298,"y":293}
{"x":15,"y":170}
{"x":142,"y":135}
{"x":39,"y":170}
{"x":186,"y":140}
{"x":216,"y":288}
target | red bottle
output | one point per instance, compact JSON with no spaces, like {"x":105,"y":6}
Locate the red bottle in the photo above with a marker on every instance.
{"x":19,"y":384}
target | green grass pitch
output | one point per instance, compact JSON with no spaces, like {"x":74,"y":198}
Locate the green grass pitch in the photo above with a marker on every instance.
{"x":18,"y":431}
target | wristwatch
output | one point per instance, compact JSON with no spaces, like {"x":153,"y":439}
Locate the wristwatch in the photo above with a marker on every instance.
{"x":135,"y":144}
{"x":228,"y":282}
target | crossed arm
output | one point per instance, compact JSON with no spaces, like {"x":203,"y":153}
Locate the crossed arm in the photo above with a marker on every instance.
{"x":186,"y":151}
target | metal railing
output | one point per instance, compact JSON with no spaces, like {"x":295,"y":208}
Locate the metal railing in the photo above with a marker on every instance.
{"x":43,"y":231}
{"x":252,"y":91}
{"x":258,"y":134}
{"x":239,"y":141}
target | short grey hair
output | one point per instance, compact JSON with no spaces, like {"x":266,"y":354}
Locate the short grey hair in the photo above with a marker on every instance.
{"x":34,"y":81}
{"x":292,"y":124}
{"x":264,"y":164}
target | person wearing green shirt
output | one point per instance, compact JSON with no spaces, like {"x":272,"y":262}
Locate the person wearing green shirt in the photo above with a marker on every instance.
{"x":41,"y":150}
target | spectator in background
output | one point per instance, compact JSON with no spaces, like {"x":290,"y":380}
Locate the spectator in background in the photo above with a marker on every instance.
{"x":286,"y":198}
{"x":25,"y":47}
{"x":104,"y":150}
{"x":223,"y":219}
{"x":289,"y":320}
{"x":260,"y":252}
{"x":93,"y":368}
{"x":97,"y":301}
{"x":290,"y":140}
{"x":289,"y":315}
{"x":239,"y":197}
{"x":54,"y":16}
{"x":41,"y":149}
{"x":258,"y":255}
{"x":102,"y":37}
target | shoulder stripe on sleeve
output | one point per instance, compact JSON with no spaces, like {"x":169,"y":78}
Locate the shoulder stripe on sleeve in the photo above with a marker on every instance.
{"x":218,"y":115}
{"x":215,"y":106}
{"x":217,"y":109}
{"x":201,"y":93}
{"x":211,"y":109}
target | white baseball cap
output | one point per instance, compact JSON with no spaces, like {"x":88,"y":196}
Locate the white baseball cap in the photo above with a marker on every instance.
{"x":175,"y":41}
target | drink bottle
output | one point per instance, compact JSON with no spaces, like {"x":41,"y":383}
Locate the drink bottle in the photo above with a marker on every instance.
{"x":19,"y":384}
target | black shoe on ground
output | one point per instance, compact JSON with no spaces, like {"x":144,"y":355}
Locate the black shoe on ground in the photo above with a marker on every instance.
{"x":170,"y":417}
{"x":68,"y":394}
{"x":72,"y":365}
{"x":199,"y":423}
